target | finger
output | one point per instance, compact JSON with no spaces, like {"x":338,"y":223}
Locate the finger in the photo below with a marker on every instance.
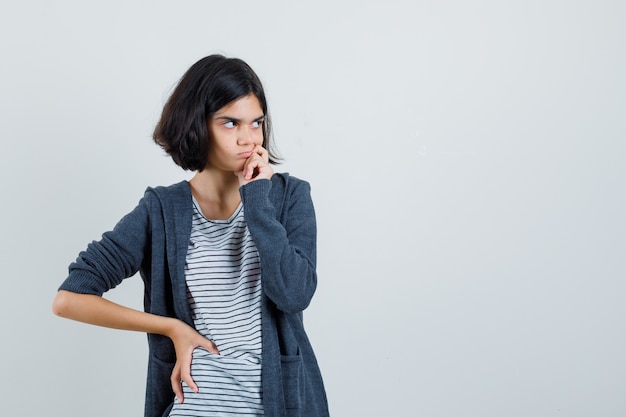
{"x":185,"y":375}
{"x":253,"y":163}
{"x":260,"y":171}
{"x":258,"y":161}
{"x":262,"y":152}
{"x":191,"y":383}
{"x":177,"y":385}
{"x":210,"y":346}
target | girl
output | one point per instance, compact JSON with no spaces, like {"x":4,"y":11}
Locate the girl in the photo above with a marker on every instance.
{"x":227,"y":259}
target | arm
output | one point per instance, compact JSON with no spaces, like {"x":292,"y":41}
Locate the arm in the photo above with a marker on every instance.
{"x":102,"y":266}
{"x":287,"y":251}
{"x":92,"y":309}
{"x":118,"y":255}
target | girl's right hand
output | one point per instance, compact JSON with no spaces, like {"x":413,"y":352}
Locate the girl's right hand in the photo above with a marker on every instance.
{"x":93,"y":309}
{"x":186,"y":339}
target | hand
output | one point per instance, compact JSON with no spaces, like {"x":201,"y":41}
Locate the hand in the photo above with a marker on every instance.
{"x":255,"y":167}
{"x":186,"y":339}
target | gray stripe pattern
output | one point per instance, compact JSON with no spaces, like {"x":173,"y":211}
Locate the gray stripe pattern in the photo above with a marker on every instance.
{"x":224,"y":290}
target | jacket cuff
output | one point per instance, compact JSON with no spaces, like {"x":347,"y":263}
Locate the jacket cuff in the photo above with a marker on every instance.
{"x":256,"y":192}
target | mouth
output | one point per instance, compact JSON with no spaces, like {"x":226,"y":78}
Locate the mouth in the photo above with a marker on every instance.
{"x":244,"y":154}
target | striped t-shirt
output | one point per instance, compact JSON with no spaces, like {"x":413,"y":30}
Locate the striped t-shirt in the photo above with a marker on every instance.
{"x":223,"y":277}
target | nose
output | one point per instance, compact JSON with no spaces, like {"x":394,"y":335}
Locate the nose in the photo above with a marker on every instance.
{"x":248,"y":135}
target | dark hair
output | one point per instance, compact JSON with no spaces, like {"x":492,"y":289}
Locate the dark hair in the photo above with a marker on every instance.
{"x":210,"y":84}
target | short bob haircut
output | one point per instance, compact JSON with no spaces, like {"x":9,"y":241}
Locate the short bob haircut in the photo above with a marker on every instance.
{"x":210,"y":84}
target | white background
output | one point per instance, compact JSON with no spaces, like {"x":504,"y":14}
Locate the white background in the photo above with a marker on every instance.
{"x":467,"y":160}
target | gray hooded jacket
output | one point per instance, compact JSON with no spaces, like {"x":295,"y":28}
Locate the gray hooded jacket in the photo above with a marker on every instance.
{"x":153,"y":240}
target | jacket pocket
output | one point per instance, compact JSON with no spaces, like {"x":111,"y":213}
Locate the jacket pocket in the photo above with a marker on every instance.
{"x":159,"y":395}
{"x":293,"y":380}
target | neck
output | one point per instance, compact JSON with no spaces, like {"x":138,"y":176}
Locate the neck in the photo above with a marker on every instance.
{"x":217,"y":193}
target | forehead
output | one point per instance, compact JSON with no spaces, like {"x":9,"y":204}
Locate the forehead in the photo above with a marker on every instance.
{"x":248,"y":106}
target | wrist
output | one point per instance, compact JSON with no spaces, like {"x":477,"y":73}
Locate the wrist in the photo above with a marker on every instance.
{"x":170,"y":327}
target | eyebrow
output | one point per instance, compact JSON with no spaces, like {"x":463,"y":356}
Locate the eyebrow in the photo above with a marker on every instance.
{"x":234,"y":119}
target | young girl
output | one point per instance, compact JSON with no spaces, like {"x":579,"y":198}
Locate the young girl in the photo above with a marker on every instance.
{"x":227,"y":259}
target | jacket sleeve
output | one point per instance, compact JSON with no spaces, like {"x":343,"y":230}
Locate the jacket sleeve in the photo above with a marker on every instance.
{"x":118,"y":255}
{"x":287,"y":248}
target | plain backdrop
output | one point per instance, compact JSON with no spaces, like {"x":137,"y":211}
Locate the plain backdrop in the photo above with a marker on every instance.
{"x":467,"y":163}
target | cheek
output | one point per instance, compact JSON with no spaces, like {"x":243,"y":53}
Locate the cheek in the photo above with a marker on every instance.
{"x":258,"y":139}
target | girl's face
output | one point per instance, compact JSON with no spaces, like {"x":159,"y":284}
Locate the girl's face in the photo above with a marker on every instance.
{"x":235,"y":130}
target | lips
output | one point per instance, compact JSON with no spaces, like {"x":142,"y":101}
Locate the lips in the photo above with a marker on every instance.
{"x":244,"y":154}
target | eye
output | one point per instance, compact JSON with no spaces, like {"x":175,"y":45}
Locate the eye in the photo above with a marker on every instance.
{"x":257,"y":123}
{"x":229,"y":125}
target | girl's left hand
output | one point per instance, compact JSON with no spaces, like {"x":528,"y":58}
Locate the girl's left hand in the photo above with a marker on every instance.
{"x":256,"y":167}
